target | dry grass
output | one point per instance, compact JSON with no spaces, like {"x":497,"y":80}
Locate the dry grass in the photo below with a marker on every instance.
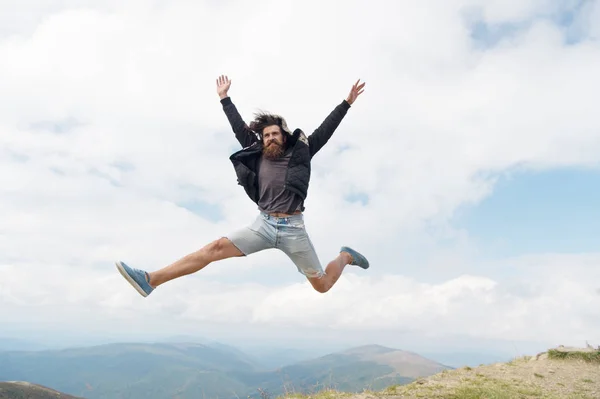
{"x":592,"y":356}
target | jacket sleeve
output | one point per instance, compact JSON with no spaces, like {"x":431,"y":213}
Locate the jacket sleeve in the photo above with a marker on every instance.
{"x":243,"y":134}
{"x":323,"y":133}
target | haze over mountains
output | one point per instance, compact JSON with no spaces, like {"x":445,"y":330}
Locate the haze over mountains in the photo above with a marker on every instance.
{"x":158,"y":370}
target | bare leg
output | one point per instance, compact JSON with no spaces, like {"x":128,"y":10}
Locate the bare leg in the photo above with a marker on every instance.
{"x":333,"y":271}
{"x":217,"y":250}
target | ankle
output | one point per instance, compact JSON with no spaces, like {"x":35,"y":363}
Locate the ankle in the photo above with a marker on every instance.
{"x":346,"y":257}
{"x":150,"y":279}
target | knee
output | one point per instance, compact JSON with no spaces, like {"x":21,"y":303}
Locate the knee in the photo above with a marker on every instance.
{"x":322,"y":289}
{"x":215,"y":248}
{"x":320,"y":285}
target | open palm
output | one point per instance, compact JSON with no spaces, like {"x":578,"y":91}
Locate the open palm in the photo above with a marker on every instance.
{"x":355,"y":92}
{"x":223,"y":85}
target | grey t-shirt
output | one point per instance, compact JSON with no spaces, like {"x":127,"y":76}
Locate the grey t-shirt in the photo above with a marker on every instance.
{"x":271,"y":180}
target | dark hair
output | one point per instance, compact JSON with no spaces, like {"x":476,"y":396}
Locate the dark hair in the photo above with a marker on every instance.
{"x":264,"y":119}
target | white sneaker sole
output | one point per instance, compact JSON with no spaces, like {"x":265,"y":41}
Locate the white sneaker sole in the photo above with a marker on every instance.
{"x":131,"y":281}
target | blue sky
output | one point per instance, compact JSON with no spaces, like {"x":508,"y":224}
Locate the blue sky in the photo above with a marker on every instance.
{"x":537,"y":212}
{"x":565,"y":14}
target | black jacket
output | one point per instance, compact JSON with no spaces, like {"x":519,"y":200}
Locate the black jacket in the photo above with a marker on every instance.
{"x":245,"y":161}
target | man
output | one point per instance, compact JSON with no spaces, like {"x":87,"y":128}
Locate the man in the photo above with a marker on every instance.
{"x":273,"y":167}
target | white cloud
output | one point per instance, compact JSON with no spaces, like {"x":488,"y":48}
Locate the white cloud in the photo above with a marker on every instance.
{"x":552,"y":301}
{"x":132,"y":87}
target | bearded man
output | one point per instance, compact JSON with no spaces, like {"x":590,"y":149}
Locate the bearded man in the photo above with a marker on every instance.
{"x":273,"y":167}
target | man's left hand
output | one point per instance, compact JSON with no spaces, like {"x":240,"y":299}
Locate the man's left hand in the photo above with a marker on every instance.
{"x":355,"y":92}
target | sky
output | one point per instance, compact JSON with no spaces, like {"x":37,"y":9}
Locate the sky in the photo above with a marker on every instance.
{"x":467,"y":172}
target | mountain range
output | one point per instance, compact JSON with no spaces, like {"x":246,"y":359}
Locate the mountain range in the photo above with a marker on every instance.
{"x":194,"y":370}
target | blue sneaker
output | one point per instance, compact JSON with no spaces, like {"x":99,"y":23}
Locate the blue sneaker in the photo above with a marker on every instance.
{"x":137,"y":278}
{"x":357,"y":258}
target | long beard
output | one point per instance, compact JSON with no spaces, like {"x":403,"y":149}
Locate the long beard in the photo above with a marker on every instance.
{"x":273,"y":151}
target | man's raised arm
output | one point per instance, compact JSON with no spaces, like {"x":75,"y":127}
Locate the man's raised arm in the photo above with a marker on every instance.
{"x":243,"y":134}
{"x":323,"y":133}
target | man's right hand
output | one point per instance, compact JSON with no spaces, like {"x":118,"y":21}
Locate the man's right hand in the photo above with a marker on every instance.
{"x":223,"y":84}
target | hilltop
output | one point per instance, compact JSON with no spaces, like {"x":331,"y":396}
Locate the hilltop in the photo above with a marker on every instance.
{"x":559,"y":373}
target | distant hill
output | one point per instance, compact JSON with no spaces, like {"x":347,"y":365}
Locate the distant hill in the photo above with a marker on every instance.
{"x":273,"y":357}
{"x":407,"y":364}
{"x":130,"y":370}
{"x":193,"y":370}
{"x":353,"y":370}
{"x":26,"y":390}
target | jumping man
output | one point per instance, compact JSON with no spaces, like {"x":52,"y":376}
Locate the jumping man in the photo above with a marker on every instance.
{"x":273,"y":167}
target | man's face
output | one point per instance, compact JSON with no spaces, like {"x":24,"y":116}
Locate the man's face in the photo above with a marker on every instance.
{"x":273,"y":142}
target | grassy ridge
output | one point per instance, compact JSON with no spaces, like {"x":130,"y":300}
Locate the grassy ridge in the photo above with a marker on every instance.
{"x":556,"y":374}
{"x":592,"y":356}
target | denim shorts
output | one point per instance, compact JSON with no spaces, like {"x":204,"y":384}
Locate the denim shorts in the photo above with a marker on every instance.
{"x":287,"y":234}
